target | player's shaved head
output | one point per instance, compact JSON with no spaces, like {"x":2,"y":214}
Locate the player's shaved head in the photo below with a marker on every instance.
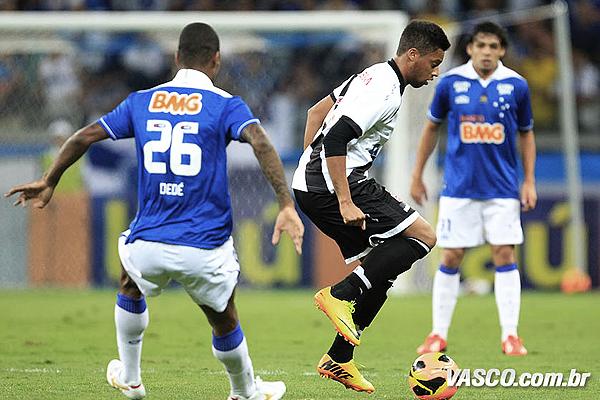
{"x":198,"y":43}
{"x":425,"y":36}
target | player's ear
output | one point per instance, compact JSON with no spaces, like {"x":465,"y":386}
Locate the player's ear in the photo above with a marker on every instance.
{"x":216,"y":62}
{"x":217,"y":59}
{"x":413,"y":54}
{"x":177,"y":62}
{"x":470,"y":49}
{"x":502,"y":52}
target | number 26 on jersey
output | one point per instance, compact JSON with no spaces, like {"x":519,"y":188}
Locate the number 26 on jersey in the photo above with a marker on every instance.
{"x":171,"y":137}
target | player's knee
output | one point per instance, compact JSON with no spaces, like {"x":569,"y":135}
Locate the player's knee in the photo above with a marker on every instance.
{"x":430,"y":238}
{"x":393,"y":257}
{"x":452,"y":258}
{"x":421,"y":230}
{"x":428,"y":235}
{"x":128,"y":287}
{"x":503,"y":255}
{"x":222,"y":322}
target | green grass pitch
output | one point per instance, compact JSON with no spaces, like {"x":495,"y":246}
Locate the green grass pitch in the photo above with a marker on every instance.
{"x":55,"y":344}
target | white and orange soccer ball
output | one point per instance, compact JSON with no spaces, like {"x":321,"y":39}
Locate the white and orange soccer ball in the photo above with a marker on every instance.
{"x":428,"y":376}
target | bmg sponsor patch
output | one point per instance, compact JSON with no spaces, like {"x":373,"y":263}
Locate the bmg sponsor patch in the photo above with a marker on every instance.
{"x":482,"y":132}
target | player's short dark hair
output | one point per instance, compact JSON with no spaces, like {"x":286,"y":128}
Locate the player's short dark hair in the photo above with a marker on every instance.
{"x":492,"y":28}
{"x":425,"y":36}
{"x":198,"y":43}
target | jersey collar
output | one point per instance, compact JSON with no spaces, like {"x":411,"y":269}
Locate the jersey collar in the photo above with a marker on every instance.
{"x":192,"y":78}
{"x":399,"y":74}
{"x":497,"y":74}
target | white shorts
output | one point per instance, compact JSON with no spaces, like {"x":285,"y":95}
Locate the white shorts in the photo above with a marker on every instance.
{"x":466,"y":223}
{"x":208,"y":275}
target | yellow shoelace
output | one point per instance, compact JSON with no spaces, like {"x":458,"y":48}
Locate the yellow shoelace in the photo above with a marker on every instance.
{"x":351,"y":305}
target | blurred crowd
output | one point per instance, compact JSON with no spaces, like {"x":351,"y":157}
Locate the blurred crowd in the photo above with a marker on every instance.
{"x":100,"y":69}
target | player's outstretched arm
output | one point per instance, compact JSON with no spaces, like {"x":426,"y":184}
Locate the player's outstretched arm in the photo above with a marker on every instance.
{"x":40,"y":192}
{"x":427,"y":143}
{"x":527,"y":150}
{"x":314,"y":119}
{"x":288,"y":220}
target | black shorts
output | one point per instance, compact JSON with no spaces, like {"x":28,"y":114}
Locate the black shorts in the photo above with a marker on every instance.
{"x":386,"y":215}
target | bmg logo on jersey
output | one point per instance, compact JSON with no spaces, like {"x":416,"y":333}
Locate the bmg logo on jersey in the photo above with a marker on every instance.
{"x":482,"y":132}
{"x":175,"y":103}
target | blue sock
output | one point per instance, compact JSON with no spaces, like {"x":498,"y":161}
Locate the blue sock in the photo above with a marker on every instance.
{"x":448,"y":270}
{"x":506,"y":268}
{"x":136,"y":306}
{"x":230,"y":340}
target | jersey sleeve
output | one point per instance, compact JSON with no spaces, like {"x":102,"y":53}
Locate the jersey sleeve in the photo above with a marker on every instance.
{"x":335,"y":94}
{"x":365,"y":107}
{"x":524,"y":113}
{"x":438,"y":110}
{"x":118,"y":123}
{"x":237,"y":117}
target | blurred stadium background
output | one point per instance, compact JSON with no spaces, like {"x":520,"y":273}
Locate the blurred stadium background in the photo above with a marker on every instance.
{"x":64,"y":63}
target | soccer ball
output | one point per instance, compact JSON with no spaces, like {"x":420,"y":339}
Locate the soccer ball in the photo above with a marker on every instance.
{"x":428,"y":374}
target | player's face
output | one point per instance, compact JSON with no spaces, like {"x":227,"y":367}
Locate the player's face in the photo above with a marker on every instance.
{"x":426,"y":68}
{"x":485,"y":51}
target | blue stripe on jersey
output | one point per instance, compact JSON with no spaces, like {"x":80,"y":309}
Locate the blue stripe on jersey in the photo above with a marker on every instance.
{"x":245,"y":124}
{"x":107,"y":129}
{"x":483,"y":121}
{"x":181,"y":130}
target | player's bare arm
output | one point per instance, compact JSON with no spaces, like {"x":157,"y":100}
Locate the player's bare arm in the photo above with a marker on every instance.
{"x":527,"y":150}
{"x":427,"y":143}
{"x":40,"y":192}
{"x":315,"y":117}
{"x":351,"y":214}
{"x":270,"y":164}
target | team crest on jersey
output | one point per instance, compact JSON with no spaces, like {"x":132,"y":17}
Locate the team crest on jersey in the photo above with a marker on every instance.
{"x":483,"y":99}
{"x":461,"y":86}
{"x":505,"y":89}
{"x":175,"y":103}
{"x":482,"y":132}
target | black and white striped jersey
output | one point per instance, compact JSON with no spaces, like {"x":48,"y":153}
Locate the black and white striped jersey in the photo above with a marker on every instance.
{"x":371,"y":101}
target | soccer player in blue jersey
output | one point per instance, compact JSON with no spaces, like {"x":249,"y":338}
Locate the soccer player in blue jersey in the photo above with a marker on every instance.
{"x":489,"y":111}
{"x":182,"y":230}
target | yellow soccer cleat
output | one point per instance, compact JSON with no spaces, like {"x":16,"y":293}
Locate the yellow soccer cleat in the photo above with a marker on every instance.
{"x":345,"y":373}
{"x":340,"y":313}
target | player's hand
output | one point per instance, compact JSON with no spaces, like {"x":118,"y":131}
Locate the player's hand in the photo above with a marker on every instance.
{"x":38,"y":192}
{"x":528,"y":196}
{"x":289,"y":222}
{"x":418,"y":190}
{"x":353,"y":215}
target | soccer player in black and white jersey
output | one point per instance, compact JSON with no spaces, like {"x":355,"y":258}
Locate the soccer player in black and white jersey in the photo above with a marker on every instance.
{"x":344,"y":133}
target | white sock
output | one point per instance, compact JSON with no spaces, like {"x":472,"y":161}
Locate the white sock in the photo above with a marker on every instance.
{"x":507,"y":288}
{"x":130,"y":333}
{"x":238,"y":365}
{"x":446,"y":283}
